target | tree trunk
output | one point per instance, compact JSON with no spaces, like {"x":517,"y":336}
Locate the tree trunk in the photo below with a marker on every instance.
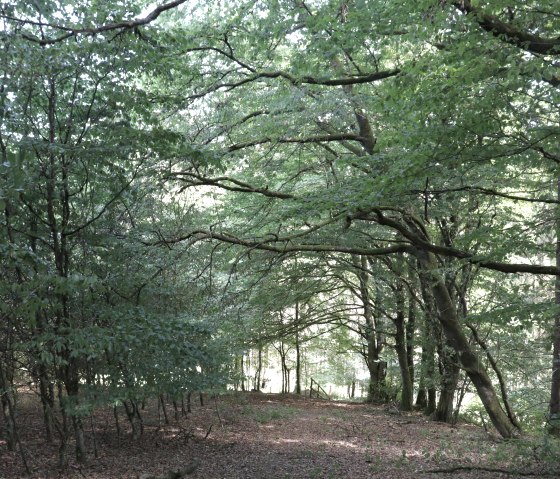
{"x":72,"y":385}
{"x":374,"y":341}
{"x":78,"y":426}
{"x":63,"y":430}
{"x":133,"y":415}
{"x":401,"y":349}
{"x":298,"y":352}
{"x":449,"y":380}
{"x":468,"y":358}
{"x":497,"y":371}
{"x":428,"y":367}
{"x":242,"y":367}
{"x":46,"y":390}
{"x":554,"y":408}
{"x":410,"y":329}
{"x":258,"y":372}
{"x":8,"y":407}
{"x":164,"y":409}
{"x":376,"y":388}
{"x":401,"y":346}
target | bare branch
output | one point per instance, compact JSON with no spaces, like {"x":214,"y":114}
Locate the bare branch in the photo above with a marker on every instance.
{"x":194,"y":179}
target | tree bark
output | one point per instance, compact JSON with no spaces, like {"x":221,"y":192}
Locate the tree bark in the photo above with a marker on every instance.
{"x":374,"y":341}
{"x":401,"y":349}
{"x":46,"y":391}
{"x":468,"y":358}
{"x":8,"y":407}
{"x":428,"y":342}
{"x":298,"y":351}
{"x":554,"y":408}
{"x":133,"y":415}
{"x":449,"y":380}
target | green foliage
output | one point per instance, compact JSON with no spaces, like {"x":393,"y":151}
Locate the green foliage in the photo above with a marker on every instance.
{"x":126,"y":153}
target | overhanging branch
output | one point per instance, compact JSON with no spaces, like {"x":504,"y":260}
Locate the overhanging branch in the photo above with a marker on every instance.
{"x":508,"y":32}
{"x":74,"y":32}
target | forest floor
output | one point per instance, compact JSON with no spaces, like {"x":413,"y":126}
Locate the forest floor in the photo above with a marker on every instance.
{"x":256,"y":435}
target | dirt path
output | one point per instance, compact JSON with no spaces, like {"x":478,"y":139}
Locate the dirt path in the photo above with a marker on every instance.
{"x":278,"y":437}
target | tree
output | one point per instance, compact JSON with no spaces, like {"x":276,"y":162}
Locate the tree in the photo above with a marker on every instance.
{"x":425,"y":138}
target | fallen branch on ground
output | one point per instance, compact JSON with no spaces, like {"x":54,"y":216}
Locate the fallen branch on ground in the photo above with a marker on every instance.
{"x":491,"y":469}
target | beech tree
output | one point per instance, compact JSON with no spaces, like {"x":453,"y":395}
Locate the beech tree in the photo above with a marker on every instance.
{"x":389,"y":146}
{"x":423,"y":137}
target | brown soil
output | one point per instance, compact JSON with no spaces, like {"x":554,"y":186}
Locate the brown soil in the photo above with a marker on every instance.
{"x":254,"y":435}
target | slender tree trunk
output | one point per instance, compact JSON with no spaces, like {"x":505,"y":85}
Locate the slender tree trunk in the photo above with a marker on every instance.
{"x":497,"y":371}
{"x":164,"y":409}
{"x":374,"y":340}
{"x":63,"y":430}
{"x":242,"y":367}
{"x":402,"y":355}
{"x":298,"y":352}
{"x":410,"y":329}
{"x":46,"y":391}
{"x":258,"y":374}
{"x":422,"y":395}
{"x":117,"y":424}
{"x":428,"y":342}
{"x":411,"y":321}
{"x":462,"y":391}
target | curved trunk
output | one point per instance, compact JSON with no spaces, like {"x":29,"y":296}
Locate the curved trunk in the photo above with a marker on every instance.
{"x":468,"y":358}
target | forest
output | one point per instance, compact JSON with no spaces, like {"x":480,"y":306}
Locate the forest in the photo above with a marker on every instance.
{"x":359,"y":193}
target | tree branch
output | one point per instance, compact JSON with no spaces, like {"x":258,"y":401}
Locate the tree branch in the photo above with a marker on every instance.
{"x":194,"y":179}
{"x":490,"y":192}
{"x":508,"y":32}
{"x":266,"y":245}
{"x":310,"y":139}
{"x":74,"y":32}
{"x":350,"y":80}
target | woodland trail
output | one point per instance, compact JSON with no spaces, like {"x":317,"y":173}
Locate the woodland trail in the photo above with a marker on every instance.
{"x":255,"y":435}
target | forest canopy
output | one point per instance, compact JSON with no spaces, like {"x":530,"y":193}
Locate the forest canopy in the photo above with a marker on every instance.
{"x":185,"y":186}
